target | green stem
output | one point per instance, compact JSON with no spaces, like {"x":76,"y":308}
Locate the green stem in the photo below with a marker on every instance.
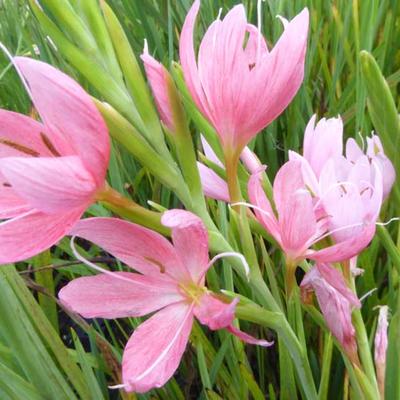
{"x":231,"y":165}
{"x":277,"y":321}
{"x":127,"y":208}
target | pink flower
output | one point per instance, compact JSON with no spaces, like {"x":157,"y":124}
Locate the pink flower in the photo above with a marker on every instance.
{"x":302,"y":219}
{"x":51,"y":170}
{"x":336,"y":301}
{"x":157,"y":76}
{"x":170,"y":281}
{"x":375,"y":153}
{"x":239,"y":86}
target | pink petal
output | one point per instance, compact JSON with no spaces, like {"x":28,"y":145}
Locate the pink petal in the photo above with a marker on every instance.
{"x":353,"y":151}
{"x":381,"y":336}
{"x":74,"y":124}
{"x":335,"y":308}
{"x":256,"y":46}
{"x":142,"y":249}
{"x":30,"y":234}
{"x":157,"y":77}
{"x":250,"y":160}
{"x":275,"y":80}
{"x":188,"y":59}
{"x":346,"y":249}
{"x":309,"y":177}
{"x":336,"y":279}
{"x":209,"y":152}
{"x":155,"y":349}
{"x":213,"y":185}
{"x":245,"y":337}
{"x":124,"y":294}
{"x":322,"y":142}
{"x":259,"y":199}
{"x":215,"y":313}
{"x":50,"y":184}
{"x":21,"y":136}
{"x":297,"y":220}
{"x":190,"y":239}
{"x":11,"y":204}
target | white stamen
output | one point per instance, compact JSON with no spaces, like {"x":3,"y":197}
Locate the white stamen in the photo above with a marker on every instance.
{"x":99,"y":269}
{"x":120,"y":386}
{"x":11,"y":58}
{"x":18,"y":217}
{"x":363,"y":297}
{"x":145,"y":47}
{"x":231,"y":254}
{"x":52,"y":44}
{"x":362,"y":141}
{"x":387,"y":222}
{"x":284,"y":21}
{"x":252,"y":206}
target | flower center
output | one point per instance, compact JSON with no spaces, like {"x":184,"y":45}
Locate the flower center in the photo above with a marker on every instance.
{"x":192,"y":291}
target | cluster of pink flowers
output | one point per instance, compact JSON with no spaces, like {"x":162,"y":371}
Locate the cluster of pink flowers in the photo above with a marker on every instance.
{"x":52,"y":170}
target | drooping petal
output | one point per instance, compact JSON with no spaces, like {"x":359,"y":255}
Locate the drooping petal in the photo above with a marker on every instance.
{"x":140,"y":248}
{"x":218,"y":314}
{"x":245,"y":337}
{"x":190,"y":239}
{"x":21,"y":136}
{"x":213,"y":185}
{"x":215,"y":313}
{"x":72,"y":121}
{"x":123,"y":294}
{"x":264,"y":211}
{"x":30,"y":234}
{"x":155,"y":349}
{"x":50,"y":184}
{"x":335,"y":308}
{"x":336,"y":280}
{"x":157,"y":77}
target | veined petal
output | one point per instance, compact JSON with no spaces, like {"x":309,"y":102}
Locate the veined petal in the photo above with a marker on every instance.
{"x":190,"y":239}
{"x":21,"y":136}
{"x":123,"y":294}
{"x":72,"y":120}
{"x":155,"y":349}
{"x":11,"y":204}
{"x":27,"y":235}
{"x":50,"y":184}
{"x":140,"y":248}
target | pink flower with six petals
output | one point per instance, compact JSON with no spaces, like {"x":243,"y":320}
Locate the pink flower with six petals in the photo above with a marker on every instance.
{"x":170,"y":281}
